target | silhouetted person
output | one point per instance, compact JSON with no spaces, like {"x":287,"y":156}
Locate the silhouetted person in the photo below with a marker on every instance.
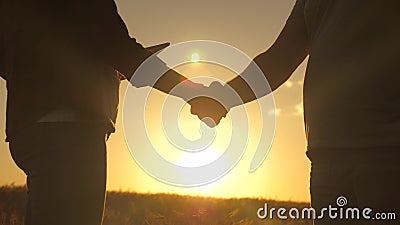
{"x":60,"y":60}
{"x":351,"y":98}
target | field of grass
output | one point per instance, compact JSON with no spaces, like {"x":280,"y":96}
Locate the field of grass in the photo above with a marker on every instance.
{"x":124,"y":208}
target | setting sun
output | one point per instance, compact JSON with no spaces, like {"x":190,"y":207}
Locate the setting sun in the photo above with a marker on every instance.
{"x":196,"y":159}
{"x":195,"y":58}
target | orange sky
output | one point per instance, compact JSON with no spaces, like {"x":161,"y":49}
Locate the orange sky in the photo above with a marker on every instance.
{"x":250,"y":26}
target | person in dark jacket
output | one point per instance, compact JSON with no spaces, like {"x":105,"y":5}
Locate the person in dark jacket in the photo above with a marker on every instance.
{"x":63,"y":63}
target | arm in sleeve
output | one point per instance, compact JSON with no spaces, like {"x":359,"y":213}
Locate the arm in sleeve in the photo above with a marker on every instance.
{"x":125,"y":54}
{"x":110,"y":39}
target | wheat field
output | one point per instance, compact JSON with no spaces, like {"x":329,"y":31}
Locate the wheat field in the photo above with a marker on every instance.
{"x":125,"y":208}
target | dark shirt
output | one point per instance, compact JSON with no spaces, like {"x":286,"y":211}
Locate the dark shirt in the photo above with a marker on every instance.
{"x":351,"y":89}
{"x":65,"y":55}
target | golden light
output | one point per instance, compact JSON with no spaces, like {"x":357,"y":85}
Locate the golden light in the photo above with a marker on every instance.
{"x":195,"y":57}
{"x":199,"y":158}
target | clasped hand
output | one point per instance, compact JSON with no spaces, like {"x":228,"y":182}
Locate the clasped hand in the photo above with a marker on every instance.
{"x":212,"y":105}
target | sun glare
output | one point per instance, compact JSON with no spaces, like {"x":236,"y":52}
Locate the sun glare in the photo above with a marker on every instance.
{"x":195,"y":58}
{"x":199,"y":158}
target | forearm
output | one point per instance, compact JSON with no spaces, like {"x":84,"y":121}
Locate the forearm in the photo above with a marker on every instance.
{"x":178,"y":85}
{"x":278,"y":62}
{"x":270,"y":69}
{"x":156,"y":74}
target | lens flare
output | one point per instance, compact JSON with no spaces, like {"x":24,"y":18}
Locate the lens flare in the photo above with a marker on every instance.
{"x":195,"y":58}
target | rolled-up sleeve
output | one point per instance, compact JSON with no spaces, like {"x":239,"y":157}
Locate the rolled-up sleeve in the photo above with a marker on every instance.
{"x":108,"y":36}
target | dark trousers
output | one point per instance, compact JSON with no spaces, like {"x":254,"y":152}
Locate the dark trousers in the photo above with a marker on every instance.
{"x":65,"y":164}
{"x":365,"y":177}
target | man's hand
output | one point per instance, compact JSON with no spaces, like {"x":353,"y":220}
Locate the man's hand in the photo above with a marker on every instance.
{"x":211,"y":107}
{"x":209,"y":110}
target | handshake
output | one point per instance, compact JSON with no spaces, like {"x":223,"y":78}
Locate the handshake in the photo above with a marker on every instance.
{"x":212,"y":103}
